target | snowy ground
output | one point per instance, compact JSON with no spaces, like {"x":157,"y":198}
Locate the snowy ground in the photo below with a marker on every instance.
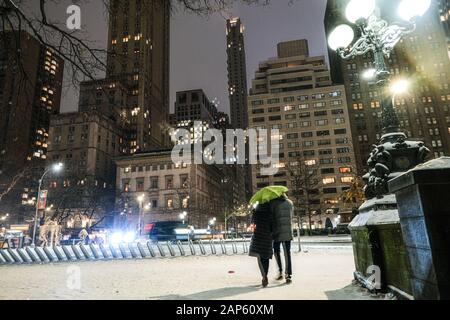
{"x":319,"y":274}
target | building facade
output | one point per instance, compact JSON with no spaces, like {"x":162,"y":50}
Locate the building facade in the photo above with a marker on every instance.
{"x":167,"y":190}
{"x":193,"y":105}
{"x":30,"y":93}
{"x":444,"y":10}
{"x":294,"y":94}
{"x":422,"y":59}
{"x":138,"y":55}
{"x":87,"y":144}
{"x":127,"y":112}
{"x":194,"y":112}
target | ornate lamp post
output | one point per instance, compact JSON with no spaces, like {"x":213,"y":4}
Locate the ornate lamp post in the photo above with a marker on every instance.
{"x":375,"y":228}
{"x":394,"y":154}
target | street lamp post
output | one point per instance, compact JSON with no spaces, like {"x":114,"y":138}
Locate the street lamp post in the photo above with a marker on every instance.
{"x":183,"y":216}
{"x":55,"y":168}
{"x":140,"y":200}
{"x":394,"y":154}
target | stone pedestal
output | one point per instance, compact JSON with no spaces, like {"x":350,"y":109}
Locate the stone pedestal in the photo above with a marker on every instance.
{"x":423,"y":196}
{"x":377,"y":244}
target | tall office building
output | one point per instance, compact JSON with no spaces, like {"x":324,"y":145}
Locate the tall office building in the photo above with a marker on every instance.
{"x":138,"y":46}
{"x":422,"y":59}
{"x":237,"y":73}
{"x":125,"y":113}
{"x":237,"y":89}
{"x":30,"y":92}
{"x":294,"y":95}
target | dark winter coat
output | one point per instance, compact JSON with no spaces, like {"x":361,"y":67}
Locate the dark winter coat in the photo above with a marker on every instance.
{"x":261,"y":244}
{"x":282,"y":210}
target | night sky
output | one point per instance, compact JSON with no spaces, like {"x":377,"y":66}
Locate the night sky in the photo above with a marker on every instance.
{"x":198,"y":45}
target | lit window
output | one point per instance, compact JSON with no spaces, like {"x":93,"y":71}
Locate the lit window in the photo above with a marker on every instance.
{"x":347,"y":179}
{"x":345,"y":170}
{"x":329,"y":180}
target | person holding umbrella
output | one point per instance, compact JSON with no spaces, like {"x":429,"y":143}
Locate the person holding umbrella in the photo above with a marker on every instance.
{"x":261,"y":245}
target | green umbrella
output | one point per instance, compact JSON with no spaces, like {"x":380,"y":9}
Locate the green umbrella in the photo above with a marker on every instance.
{"x":267,"y":194}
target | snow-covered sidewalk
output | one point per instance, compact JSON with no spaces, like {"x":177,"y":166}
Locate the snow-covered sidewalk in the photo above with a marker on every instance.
{"x":318,"y":274}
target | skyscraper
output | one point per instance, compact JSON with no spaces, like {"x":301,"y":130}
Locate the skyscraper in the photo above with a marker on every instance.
{"x":237,"y":89}
{"x":422,"y":59}
{"x":123,"y":114}
{"x":138,"y":46}
{"x":237,"y":74}
{"x":30,"y":92}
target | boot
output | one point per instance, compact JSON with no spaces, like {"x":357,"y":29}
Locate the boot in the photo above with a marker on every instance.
{"x":280,"y":276}
{"x":265,"y":282}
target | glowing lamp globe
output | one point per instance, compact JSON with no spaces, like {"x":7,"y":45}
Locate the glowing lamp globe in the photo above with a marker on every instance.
{"x":57,"y":167}
{"x":400,"y":86}
{"x":369,"y":74}
{"x":359,"y":9}
{"x":341,"y":37}
{"x":409,"y":9}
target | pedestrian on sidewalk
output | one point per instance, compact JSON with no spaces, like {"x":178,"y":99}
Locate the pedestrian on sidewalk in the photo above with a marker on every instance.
{"x":261,"y":245}
{"x":282,"y":210}
{"x":83,"y":235}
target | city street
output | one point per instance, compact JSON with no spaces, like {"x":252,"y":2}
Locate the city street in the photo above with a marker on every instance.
{"x":319,"y":274}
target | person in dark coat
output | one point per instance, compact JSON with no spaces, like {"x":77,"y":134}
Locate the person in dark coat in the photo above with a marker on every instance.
{"x":261,"y":244}
{"x":282,"y":210}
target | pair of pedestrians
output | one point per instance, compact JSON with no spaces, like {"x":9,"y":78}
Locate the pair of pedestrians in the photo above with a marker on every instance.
{"x":273,"y":231}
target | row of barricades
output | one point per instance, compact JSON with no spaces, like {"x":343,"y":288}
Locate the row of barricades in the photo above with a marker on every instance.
{"x":136,"y":250}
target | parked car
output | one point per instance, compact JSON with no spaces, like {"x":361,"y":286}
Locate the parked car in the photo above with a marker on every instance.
{"x":342,"y":228}
{"x":167,"y":231}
